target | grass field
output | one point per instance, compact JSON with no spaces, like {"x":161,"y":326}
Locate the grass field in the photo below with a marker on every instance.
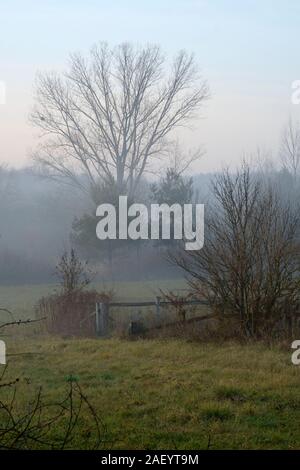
{"x":171,"y":394}
{"x":158,"y":394}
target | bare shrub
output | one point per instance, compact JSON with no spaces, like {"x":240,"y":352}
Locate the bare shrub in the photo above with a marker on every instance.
{"x":73,"y":274}
{"x":248,"y":269}
{"x":178,"y":304}
{"x":71,"y":311}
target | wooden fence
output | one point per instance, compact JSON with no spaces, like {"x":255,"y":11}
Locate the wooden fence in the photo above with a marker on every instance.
{"x":103,"y":308}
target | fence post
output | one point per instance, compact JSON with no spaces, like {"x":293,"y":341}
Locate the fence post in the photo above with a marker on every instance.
{"x":102,"y":314}
{"x":158,"y":306}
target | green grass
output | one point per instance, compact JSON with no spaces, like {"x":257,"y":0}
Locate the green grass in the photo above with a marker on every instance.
{"x":171,"y":394}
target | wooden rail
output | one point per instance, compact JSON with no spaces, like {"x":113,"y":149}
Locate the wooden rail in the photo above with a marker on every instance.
{"x":102,"y":311}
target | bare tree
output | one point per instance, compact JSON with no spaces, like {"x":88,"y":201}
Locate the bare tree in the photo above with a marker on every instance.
{"x":181,"y":160}
{"x":109,"y":115}
{"x":72,"y":273}
{"x":290,"y":148}
{"x":248,"y":268}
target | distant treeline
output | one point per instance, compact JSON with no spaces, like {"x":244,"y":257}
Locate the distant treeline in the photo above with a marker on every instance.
{"x":39,"y":220}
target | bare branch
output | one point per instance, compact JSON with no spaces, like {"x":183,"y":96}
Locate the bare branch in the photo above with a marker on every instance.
{"x":108,"y":116}
{"x":290,"y":148}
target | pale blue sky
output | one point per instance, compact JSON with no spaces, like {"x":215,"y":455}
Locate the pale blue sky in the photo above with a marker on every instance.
{"x":248,"y":51}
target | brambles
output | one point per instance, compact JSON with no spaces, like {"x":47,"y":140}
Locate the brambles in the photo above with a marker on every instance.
{"x":49,"y":425}
{"x":43,"y":424}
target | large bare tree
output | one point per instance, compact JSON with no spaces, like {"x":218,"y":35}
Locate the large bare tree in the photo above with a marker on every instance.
{"x":110,"y":114}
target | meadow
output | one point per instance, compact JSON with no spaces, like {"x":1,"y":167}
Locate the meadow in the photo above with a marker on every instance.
{"x":156,"y":393}
{"x":170,"y":394}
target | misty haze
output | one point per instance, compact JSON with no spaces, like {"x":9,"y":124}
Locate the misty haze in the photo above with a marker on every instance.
{"x":149,"y":235}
